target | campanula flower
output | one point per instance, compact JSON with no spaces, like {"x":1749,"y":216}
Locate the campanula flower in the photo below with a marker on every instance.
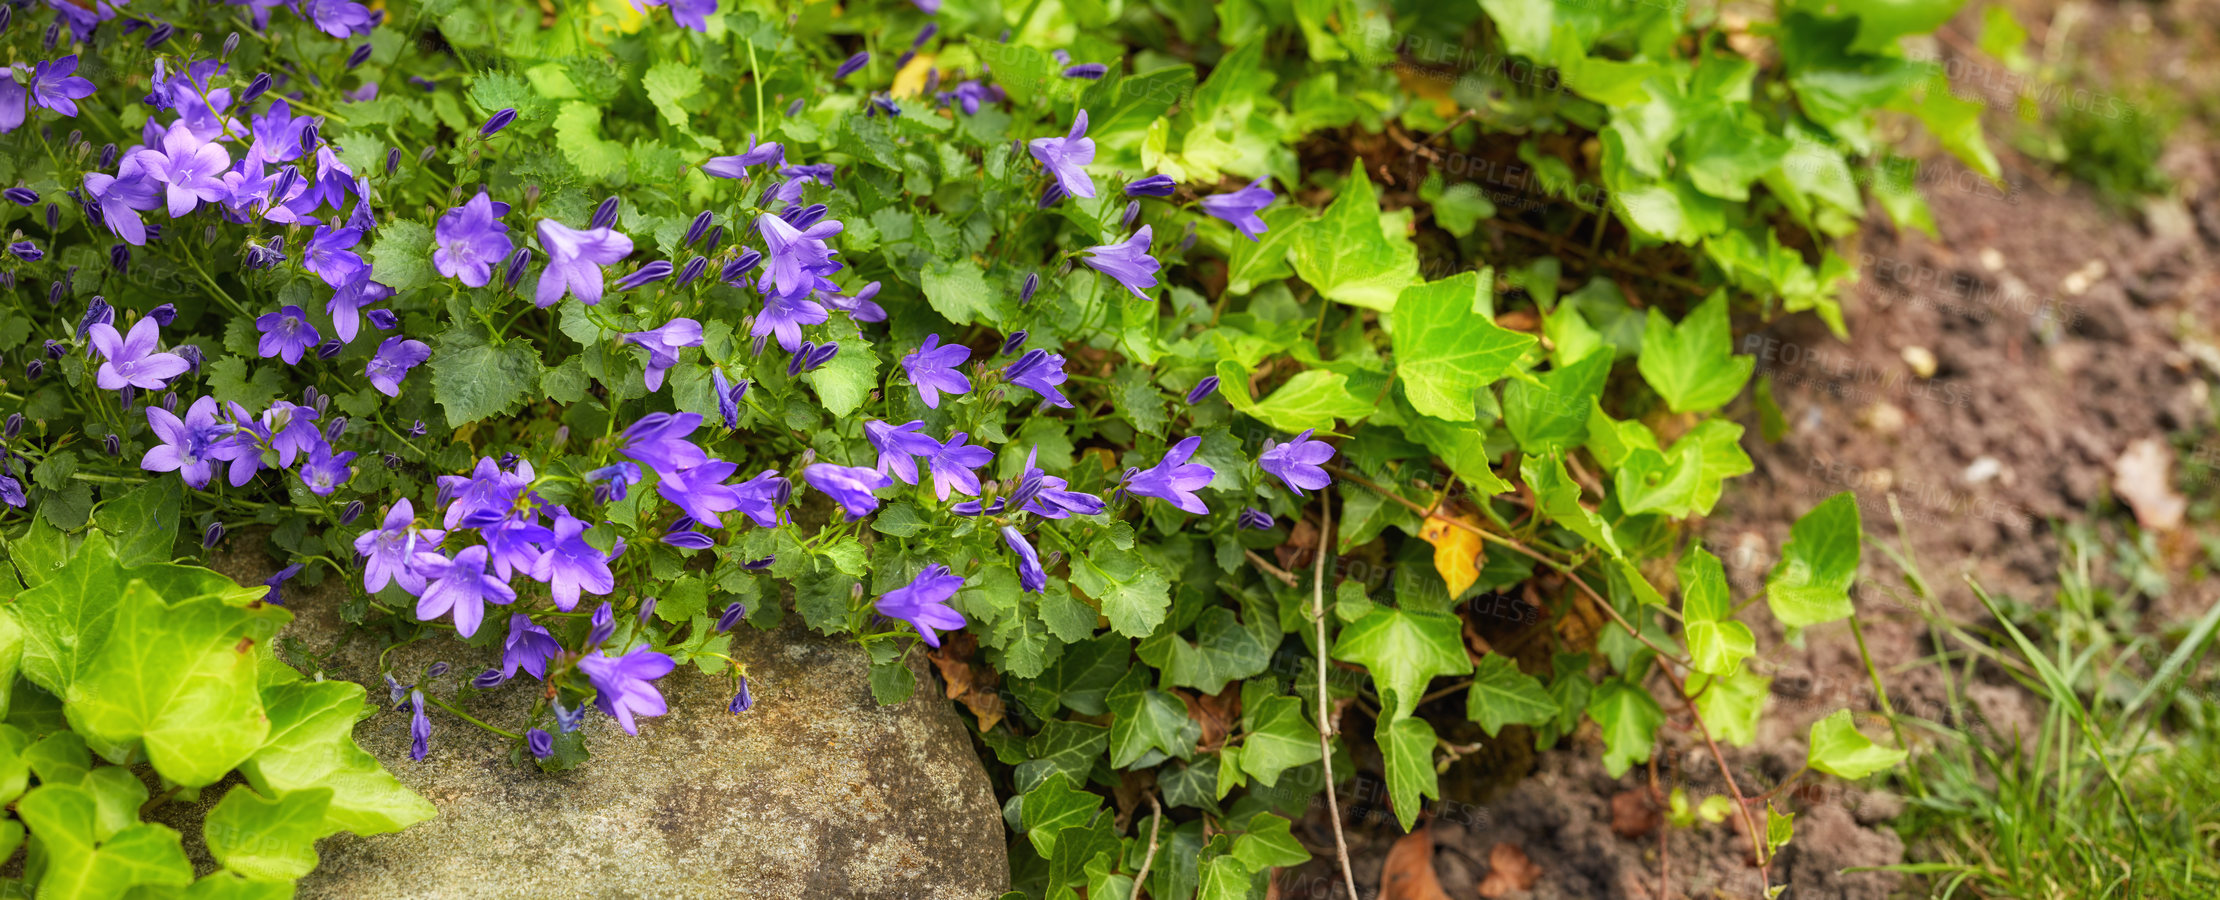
{"x":1173,"y":479}
{"x":286,"y":334}
{"x":1066,"y":158}
{"x":574,"y":261}
{"x":569,"y":566}
{"x":390,"y":550}
{"x":512,"y":544}
{"x":693,"y":14}
{"x":1040,"y":372}
{"x":785,"y":316}
{"x":540,"y":743}
{"x":131,"y":360}
{"x":700,"y":491}
{"x":1049,"y":496}
{"x":934,"y":370}
{"x":737,"y":166}
{"x":663,"y":344}
{"x":276,"y":583}
{"x":1088,"y":71}
{"x":686,"y":538}
{"x":325,"y":471}
{"x":624,"y":685}
{"x":953,"y":464}
{"x":851,"y":64}
{"x":743,"y":701}
{"x":420,"y":728}
{"x":658,"y":440}
{"x":1030,"y":574}
{"x":761,"y":497}
{"x":923,"y":603}
{"x":796,"y":261}
{"x":1202,"y":389}
{"x":1241,"y":207}
{"x":189,"y":166}
{"x":121,"y":197}
{"x":728,"y":397}
{"x":346,"y":303}
{"x":342,"y":19}
{"x":1152,"y":186}
{"x":899,"y":446}
{"x":56,"y":86}
{"x":395,"y":357}
{"x":1255,"y":519}
{"x":461,"y":586}
{"x":601,"y":626}
{"x":967,"y":95}
{"x":330,"y":254}
{"x":192,"y":446}
{"x":850,"y":486}
{"x":499,"y":120}
{"x":1297,"y":462}
{"x":485,"y":496}
{"x":731,"y":617}
{"x":1128,"y":261}
{"x":472,"y":240}
{"x":858,"y":306}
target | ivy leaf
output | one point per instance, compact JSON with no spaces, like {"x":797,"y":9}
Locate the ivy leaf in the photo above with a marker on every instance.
{"x":1407,"y":752}
{"x":1648,"y":483}
{"x":179,"y":680}
{"x":1224,"y":650}
{"x":1280,"y":738}
{"x":1270,"y":843}
{"x":144,"y":523}
{"x":1403,"y":651}
{"x":1692,"y":365}
{"x":1446,"y":347}
{"x":1553,"y":413}
{"x":1146,"y":722}
{"x":311,"y":744}
{"x":1720,"y":443}
{"x":1132,"y":593}
{"x":64,"y":818}
{"x":473,"y":380}
{"x":1837,"y":748}
{"x":1559,"y":497}
{"x":1731,"y":705}
{"x":265,"y":838}
{"x":1254,"y":263}
{"x":1723,"y":155}
{"x":1348,"y":257}
{"x":1313,"y":399}
{"x":1629,"y":717}
{"x":68,"y":615}
{"x":1502,"y":695}
{"x":1811,"y":584}
{"x":1053,"y":807}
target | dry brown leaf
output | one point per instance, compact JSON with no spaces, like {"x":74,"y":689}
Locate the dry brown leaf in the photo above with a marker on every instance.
{"x":1633,"y":815}
{"x":967,"y":685}
{"x":1520,"y":320}
{"x":2143,"y":476}
{"x":1508,"y":870}
{"x":1408,"y":873}
{"x":1456,"y":550}
{"x":1301,"y":546}
{"x":1214,"y":713}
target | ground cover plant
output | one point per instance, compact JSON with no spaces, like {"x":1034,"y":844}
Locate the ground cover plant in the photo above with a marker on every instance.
{"x":1103,"y":349}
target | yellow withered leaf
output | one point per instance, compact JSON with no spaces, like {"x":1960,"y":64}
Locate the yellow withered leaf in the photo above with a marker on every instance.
{"x":1456,"y":550}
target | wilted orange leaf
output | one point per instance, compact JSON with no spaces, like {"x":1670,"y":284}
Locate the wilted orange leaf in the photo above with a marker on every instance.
{"x":1456,"y":550}
{"x":1508,"y":870}
{"x":1408,"y":873}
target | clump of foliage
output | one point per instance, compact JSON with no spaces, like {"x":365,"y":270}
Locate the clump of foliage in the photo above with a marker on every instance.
{"x":595,"y":333}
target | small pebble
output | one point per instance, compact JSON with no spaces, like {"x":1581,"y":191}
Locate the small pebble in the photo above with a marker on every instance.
{"x":1922,"y":361}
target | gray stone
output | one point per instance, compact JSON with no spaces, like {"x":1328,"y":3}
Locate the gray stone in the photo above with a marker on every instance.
{"x":817,"y":792}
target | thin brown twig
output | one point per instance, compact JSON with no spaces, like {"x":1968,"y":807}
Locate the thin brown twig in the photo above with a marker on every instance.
{"x":1609,"y":262}
{"x":1325,"y":740}
{"x":1285,"y":577}
{"x":1150,"y":859}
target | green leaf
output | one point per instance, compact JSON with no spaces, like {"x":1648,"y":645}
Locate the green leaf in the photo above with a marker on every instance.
{"x":1526,"y":26}
{"x":1403,"y":651}
{"x":64,"y":817}
{"x":1837,"y":748}
{"x":1053,"y":807}
{"x":1647,"y":482}
{"x":1731,"y":705}
{"x":1313,"y":399}
{"x":1446,"y":347}
{"x":848,"y":380}
{"x":1553,"y":414}
{"x":669,"y":82}
{"x":1502,"y":695}
{"x":1146,"y":721}
{"x":1723,"y":155}
{"x":1559,"y":498}
{"x":1629,"y":717}
{"x":1132,"y":593}
{"x":270,"y":839}
{"x":1280,"y":738}
{"x":958,"y":291}
{"x":179,"y":680}
{"x":1407,"y":753}
{"x":311,"y":744}
{"x":1811,"y":584}
{"x":1269,"y":842}
{"x":1692,"y":365}
{"x":1717,"y":644}
{"x":1780,"y":828}
{"x":892,"y":683}
{"x":1347,"y":256}
{"x":402,"y":257}
{"x":578,"y":136}
{"x":1224,"y":650}
{"x":473,"y":380}
{"x":1251,"y":264}
{"x":143,"y":521}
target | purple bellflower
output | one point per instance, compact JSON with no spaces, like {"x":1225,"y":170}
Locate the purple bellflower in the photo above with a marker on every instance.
{"x":785,"y":316}
{"x":1040,"y":372}
{"x":325,"y":471}
{"x":624,"y":685}
{"x":130,"y":360}
{"x":192,"y":168}
{"x":953,"y":464}
{"x":1297,"y":462}
{"x":1241,"y":207}
{"x":700,"y":491}
{"x":1049,"y":496}
{"x":1066,"y":158}
{"x":56,"y":86}
{"x":1127,"y":261}
{"x":420,"y":728}
{"x":391,"y":550}
{"x":463,"y":587}
{"x":472,"y":240}
{"x":899,"y":446}
{"x":528,"y":647}
{"x":663,"y":345}
{"x":923,"y":603}
{"x":191,"y":446}
{"x":935,"y":370}
{"x":1173,"y":479}
{"x":1030,"y":574}
{"x":761,"y":497}
{"x":796,"y":261}
{"x":658,"y":440}
{"x":330,"y":254}
{"x":574,"y":261}
{"x":1255,"y":519}
{"x":395,"y":357}
{"x":569,"y":566}
{"x":850,"y":486}
{"x":286,"y":334}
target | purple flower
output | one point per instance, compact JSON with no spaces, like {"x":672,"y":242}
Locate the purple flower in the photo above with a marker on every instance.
{"x":659,"y":441}
{"x":346,"y":303}
{"x":953,"y":463}
{"x":486,"y":496}
{"x":692,"y":14}
{"x":1049,"y":496}
{"x":395,"y":357}
{"x":1254,"y":519}
{"x":276,"y":583}
{"x":700,"y":490}
{"x":743,"y":701}
{"x":1297,"y":462}
{"x":1040,"y":372}
{"x":462,"y":587}
{"x":737,"y":166}
{"x":1240,"y":207}
{"x":1066,"y":158}
{"x":1174,"y":479}
{"x":1129,"y":262}
{"x":686,"y":538}
{"x":324,"y":471}
{"x":121,"y":197}
{"x":472,"y":240}
{"x":330,"y":254}
{"x":192,"y":446}
{"x":130,"y":360}
{"x":602,"y":625}
{"x":499,"y":120}
{"x":796,"y":261}
{"x":1088,"y":71}
{"x":286,"y":334}
{"x":1202,"y":389}
{"x":898,"y":447}
{"x":540,"y":743}
{"x":1030,"y":574}
{"x":785,"y":316}
{"x":760,"y":497}
{"x":620,"y":478}
{"x":663,"y":345}
{"x":342,"y":19}
{"x":858,"y":306}
{"x":623,"y":686}
{"x":11,"y":492}
{"x":420,"y":728}
{"x":391,"y":550}
{"x":574,"y":261}
{"x":55,"y":85}
{"x":569,"y":566}
{"x":850,"y":486}
{"x":967,"y":95}
{"x":1152,"y":186}
{"x":924,"y":603}
{"x":851,"y":64}
{"x":933,"y":368}
{"x":190,"y":166}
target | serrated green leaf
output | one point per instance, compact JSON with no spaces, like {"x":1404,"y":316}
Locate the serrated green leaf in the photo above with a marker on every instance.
{"x":958,"y":291}
{"x":1132,"y":593}
{"x":1313,"y":399}
{"x":402,"y":257}
{"x":669,"y":82}
{"x":1811,"y":584}
{"x":472,"y":380}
